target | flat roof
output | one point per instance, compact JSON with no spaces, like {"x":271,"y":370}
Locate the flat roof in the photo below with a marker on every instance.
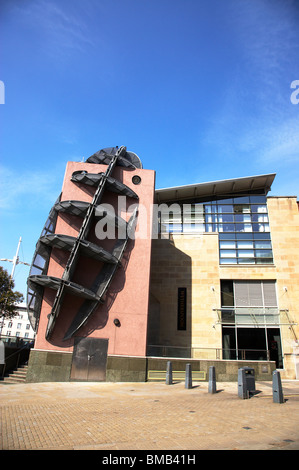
{"x":216,"y":188}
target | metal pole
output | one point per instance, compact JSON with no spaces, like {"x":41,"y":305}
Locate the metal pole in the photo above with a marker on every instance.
{"x":15,"y":259}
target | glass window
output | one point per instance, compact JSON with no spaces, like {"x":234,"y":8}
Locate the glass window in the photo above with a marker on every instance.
{"x":264,"y":260}
{"x":260,"y":208}
{"x":210,"y":208}
{"x":263,"y":244}
{"x":242,"y":218}
{"x":226,"y":227}
{"x":244,"y":244}
{"x":226,"y":218}
{"x":261,"y":236}
{"x":241,"y":199}
{"x":261,"y":227}
{"x":228,"y":260}
{"x":174,"y":228}
{"x":210,"y":227}
{"x":227,"y":253}
{"x":225,"y":244}
{"x":225,"y":208}
{"x":244,"y":236}
{"x":258,"y":199}
{"x":241,"y":208}
{"x":246,"y":260}
{"x":260,"y":218}
{"x":243,"y":227}
{"x":227,"y":293}
{"x":246,"y":253}
{"x":226,"y":236}
{"x":263,"y":253}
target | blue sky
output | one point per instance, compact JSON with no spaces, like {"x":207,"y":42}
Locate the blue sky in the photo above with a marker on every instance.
{"x":199,"y":89}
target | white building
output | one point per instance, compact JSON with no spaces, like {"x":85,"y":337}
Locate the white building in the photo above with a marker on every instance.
{"x":18,"y":326}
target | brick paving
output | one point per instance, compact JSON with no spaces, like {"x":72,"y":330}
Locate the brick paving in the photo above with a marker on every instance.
{"x":146,"y":416}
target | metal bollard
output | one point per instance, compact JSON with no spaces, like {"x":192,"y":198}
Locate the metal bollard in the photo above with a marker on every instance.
{"x":2,"y":353}
{"x":188,"y":376}
{"x":277,"y":388}
{"x":169,"y":373}
{"x":212,"y":380}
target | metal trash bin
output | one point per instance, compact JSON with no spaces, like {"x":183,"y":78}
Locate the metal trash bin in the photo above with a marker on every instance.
{"x":246,"y":382}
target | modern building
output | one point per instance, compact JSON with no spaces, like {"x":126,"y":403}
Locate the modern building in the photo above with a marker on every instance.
{"x":126,"y":276}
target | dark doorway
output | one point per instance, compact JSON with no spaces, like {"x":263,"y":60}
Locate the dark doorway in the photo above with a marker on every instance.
{"x":274,"y":346}
{"x":252,"y":344}
{"x":89,"y":359}
{"x":229,"y":343}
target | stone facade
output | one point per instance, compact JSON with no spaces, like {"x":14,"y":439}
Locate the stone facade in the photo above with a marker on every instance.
{"x":192,"y":261}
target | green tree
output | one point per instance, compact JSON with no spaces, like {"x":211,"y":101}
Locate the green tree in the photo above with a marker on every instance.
{"x":8,"y":298}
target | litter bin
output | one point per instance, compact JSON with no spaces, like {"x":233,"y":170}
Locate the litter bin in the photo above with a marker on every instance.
{"x":246,"y":381}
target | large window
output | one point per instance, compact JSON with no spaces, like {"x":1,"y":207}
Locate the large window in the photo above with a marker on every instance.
{"x":242,"y":223}
{"x":244,"y":232}
{"x":250,"y":321}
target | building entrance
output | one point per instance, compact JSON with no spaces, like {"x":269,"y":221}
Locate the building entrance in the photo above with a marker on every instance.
{"x":252,"y":344}
{"x":89,"y":359}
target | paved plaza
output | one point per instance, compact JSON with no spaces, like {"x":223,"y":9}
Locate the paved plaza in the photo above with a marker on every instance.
{"x":147,"y":416}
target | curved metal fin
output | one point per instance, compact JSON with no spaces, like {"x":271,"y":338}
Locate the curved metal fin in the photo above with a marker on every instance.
{"x":70,"y":287}
{"x":93,"y":179}
{"x":87,"y":248}
{"x":102,"y":281}
{"x":104,"y":156}
{"x":78,"y":208}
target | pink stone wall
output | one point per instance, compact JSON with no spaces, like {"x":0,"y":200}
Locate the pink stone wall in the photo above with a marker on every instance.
{"x":127,"y":297}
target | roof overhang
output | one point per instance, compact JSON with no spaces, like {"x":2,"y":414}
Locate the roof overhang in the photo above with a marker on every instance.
{"x":222,"y":188}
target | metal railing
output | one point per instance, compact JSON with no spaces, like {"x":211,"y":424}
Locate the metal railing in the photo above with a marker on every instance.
{"x":17,"y":357}
{"x":209,"y":353}
{"x":15,"y":341}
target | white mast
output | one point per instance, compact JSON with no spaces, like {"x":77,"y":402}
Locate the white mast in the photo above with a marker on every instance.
{"x":15,"y":260}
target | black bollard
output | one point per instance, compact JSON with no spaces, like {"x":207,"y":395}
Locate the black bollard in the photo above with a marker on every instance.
{"x":212,"y":379}
{"x":277,"y":388}
{"x":188,"y":376}
{"x":169,"y":373}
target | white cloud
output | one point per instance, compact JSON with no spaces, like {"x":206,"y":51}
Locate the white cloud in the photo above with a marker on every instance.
{"x":62,"y":30}
{"x":21,"y":187}
{"x":255,"y":118}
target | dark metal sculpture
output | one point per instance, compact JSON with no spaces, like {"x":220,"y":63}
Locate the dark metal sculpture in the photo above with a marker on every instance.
{"x":77,"y":246}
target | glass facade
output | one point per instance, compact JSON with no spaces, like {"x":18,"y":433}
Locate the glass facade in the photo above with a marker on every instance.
{"x":242,"y":223}
{"x":250,"y":321}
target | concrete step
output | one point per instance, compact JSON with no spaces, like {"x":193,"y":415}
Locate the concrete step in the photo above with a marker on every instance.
{"x":16,"y":376}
